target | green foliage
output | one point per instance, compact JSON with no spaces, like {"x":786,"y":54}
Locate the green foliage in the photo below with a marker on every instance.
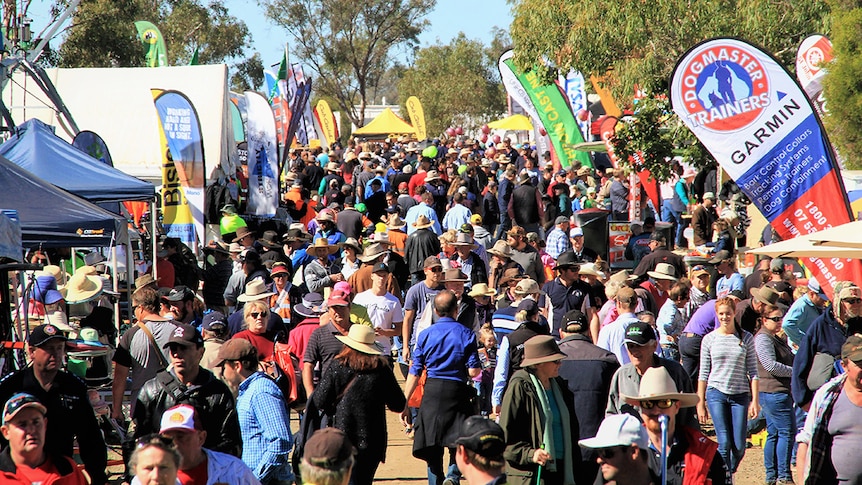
{"x":103,"y":33}
{"x":843,"y":86}
{"x":349,"y":43}
{"x":247,"y":75}
{"x":457,"y":83}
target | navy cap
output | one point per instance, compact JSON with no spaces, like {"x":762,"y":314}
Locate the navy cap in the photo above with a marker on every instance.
{"x":380,"y":267}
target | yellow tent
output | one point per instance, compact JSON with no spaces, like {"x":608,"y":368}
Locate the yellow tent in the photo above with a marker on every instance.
{"x":512,"y":123}
{"x":386,"y":123}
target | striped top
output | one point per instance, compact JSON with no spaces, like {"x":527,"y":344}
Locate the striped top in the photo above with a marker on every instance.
{"x":726,"y":363}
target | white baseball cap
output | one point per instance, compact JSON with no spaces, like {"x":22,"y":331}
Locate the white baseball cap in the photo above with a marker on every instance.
{"x":618,"y":430}
{"x":180,"y":417}
{"x":576,"y":231}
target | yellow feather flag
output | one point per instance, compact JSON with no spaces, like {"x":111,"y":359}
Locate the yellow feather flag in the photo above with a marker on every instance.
{"x":417,"y":117}
{"x":327,"y":121}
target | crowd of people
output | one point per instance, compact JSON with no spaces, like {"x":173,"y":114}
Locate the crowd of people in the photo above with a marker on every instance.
{"x":465,"y":272}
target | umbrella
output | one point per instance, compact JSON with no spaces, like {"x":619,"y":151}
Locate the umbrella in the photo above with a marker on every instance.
{"x":806,"y":247}
{"x":512,"y":123}
{"x":845,"y":235}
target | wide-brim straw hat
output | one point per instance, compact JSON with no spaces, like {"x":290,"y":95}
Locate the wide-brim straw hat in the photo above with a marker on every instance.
{"x":663,"y":271}
{"x":59,"y":274}
{"x":431,"y":176}
{"x":83,"y":286}
{"x":396,"y":222}
{"x":481,"y":289}
{"x":373,"y":251}
{"x":541,"y":349}
{"x":361,"y":338}
{"x":464,"y":239}
{"x":656,"y":384}
{"x":323,"y":244}
{"x":255,"y":290}
{"x":351,"y":242}
{"x":422,"y":222}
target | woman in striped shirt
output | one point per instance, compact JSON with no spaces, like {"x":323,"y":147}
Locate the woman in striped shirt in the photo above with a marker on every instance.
{"x":728,"y":383}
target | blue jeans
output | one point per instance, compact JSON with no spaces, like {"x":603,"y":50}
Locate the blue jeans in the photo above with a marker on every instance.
{"x":781,"y":429}
{"x":670,"y":215}
{"x":730,"y":416}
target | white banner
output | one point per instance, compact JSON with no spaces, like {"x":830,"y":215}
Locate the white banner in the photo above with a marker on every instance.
{"x":262,"y":157}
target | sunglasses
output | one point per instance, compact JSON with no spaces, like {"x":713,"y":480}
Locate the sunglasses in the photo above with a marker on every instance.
{"x":436,"y":269}
{"x":154,"y":440}
{"x":774,"y":319}
{"x":609,"y":453}
{"x":852,"y":301}
{"x":660,"y":403}
{"x":699,"y":267}
{"x":258,"y":314}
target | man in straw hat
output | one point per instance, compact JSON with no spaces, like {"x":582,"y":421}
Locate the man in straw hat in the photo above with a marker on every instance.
{"x":424,"y":208}
{"x":447,"y":351}
{"x":421,"y":243}
{"x":64,"y":400}
{"x":660,"y":282}
{"x":322,"y":272}
{"x":659,"y":395}
{"x":643,"y":352}
{"x":622,"y":446}
{"x":470,"y":261}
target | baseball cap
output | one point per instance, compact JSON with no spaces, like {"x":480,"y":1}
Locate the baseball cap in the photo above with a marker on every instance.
{"x":814,"y":286}
{"x":328,"y":448}
{"x":43,"y":333}
{"x":698,"y":271}
{"x":560,"y":220}
{"x":181,"y":417}
{"x":337,"y":298}
{"x":574,"y":321}
{"x":639,"y":333}
{"x":213,"y":321}
{"x":180,"y":293}
{"x":185,"y":335}
{"x":235,"y":349}
{"x":618,"y":430}
{"x":482,"y":436}
{"x":576,"y":231}
{"x":380,"y":267}
{"x":432,"y":261}
{"x":18,"y":402}
{"x":476,"y":219}
{"x":852,"y":348}
{"x":720,"y":256}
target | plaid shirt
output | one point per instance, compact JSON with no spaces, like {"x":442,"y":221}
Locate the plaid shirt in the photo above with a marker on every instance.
{"x":816,"y":433}
{"x":263,"y":421}
{"x":558,"y":243}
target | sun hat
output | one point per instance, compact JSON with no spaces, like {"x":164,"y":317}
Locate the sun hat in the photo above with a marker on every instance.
{"x":43,"y":333}
{"x":311,"y":306}
{"x":181,"y":417}
{"x":501,"y":249}
{"x":19,"y":402}
{"x":60,"y":275}
{"x":663,"y":271}
{"x":186,"y":336}
{"x":255,"y":290}
{"x":481,"y":289}
{"x":540,"y":349}
{"x":51,"y":297}
{"x":279,"y":267}
{"x":689,"y":172}
{"x":464,"y":239}
{"x":454,"y":275}
{"x":656,"y":384}
{"x":60,"y":320}
{"x":640,"y":334}
{"x":618,"y":430}
{"x":361,"y":338}
{"x":396,"y":222}
{"x":144,"y":280}
{"x":765,"y":295}
{"x":528,"y":286}
{"x":90,"y":336}
{"x":235,"y":349}
{"x":588,"y":269}
{"x":328,"y":448}
{"x":242,"y":232}
{"x":321,"y":245}
{"x":482,"y":436}
{"x":511,"y":274}
{"x":373,"y":251}
{"x":83,"y":286}
{"x":269,"y":240}
{"x":566,"y":259}
{"x":431,"y":176}
{"x":422,"y":222}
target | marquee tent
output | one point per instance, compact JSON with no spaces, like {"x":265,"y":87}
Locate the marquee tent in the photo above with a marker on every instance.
{"x":386,"y":123}
{"x":52,"y":217}
{"x":35,"y":148}
{"x":512,"y":123}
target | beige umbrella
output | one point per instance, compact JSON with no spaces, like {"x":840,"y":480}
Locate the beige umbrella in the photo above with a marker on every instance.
{"x":806,"y":247}
{"x":846,"y":235}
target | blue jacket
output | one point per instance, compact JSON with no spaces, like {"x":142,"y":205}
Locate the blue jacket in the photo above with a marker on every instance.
{"x":824,"y":336}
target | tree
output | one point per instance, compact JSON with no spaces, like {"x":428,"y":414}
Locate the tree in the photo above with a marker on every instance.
{"x":841,"y":87}
{"x":640,"y":41}
{"x":457,"y":83}
{"x":103,"y":32}
{"x":349,"y":43}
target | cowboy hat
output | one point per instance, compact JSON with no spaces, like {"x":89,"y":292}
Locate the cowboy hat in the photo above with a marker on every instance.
{"x":325,"y":215}
{"x":464,"y":239}
{"x":83,"y":286}
{"x":311,"y":306}
{"x":656,"y":384}
{"x":361,"y":338}
{"x":269,"y":240}
{"x":351,"y":242}
{"x":373,"y":251}
{"x":511,"y":274}
{"x":333,"y":167}
{"x":382,"y":238}
{"x":765,"y":295}
{"x":217,"y":246}
{"x":422,"y":222}
{"x":663,"y":271}
{"x":431,"y":176}
{"x":144,"y":280}
{"x":540,"y":349}
{"x":296,"y":235}
{"x":501,"y":249}
{"x":523,"y":178}
{"x":254,"y":290}
{"x":481,"y":289}
{"x":588,"y":269}
{"x":242,"y":232}
{"x":566,"y":260}
{"x":454,"y":275}
{"x":396,"y":222}
{"x":323,"y":244}
{"x":349,"y":157}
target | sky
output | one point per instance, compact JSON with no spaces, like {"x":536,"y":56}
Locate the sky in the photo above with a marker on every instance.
{"x":473,"y":17}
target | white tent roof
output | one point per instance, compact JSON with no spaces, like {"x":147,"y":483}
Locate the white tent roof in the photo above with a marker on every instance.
{"x":117,"y":104}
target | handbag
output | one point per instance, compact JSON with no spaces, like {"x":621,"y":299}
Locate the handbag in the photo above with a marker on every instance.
{"x":415,"y":399}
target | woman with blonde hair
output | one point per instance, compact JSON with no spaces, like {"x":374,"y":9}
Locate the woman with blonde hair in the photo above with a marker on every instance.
{"x":255,"y":317}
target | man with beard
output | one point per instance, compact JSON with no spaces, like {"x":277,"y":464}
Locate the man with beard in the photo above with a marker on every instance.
{"x":182,"y":304}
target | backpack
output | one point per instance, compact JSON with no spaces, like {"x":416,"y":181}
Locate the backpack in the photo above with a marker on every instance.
{"x":284,"y":368}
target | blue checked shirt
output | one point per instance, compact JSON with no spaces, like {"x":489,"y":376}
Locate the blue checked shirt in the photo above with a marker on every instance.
{"x":263,"y":421}
{"x":558,"y":243}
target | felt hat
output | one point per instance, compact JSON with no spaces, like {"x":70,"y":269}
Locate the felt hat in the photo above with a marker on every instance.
{"x":566,"y":260}
{"x":511,"y":274}
{"x":464,"y":239}
{"x":269,"y":240}
{"x":351,"y":242}
{"x":765,"y":295}
{"x":311,"y":306}
{"x":242,"y":232}
{"x":501,"y":249}
{"x":455,"y":275}
{"x":396,"y":222}
{"x":481,"y":289}
{"x":540,"y":349}
{"x":373,"y":251}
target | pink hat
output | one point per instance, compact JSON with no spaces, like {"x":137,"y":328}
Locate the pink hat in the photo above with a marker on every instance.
{"x":343,"y":287}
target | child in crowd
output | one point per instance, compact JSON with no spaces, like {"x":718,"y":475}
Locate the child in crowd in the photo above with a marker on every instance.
{"x":488,"y":357}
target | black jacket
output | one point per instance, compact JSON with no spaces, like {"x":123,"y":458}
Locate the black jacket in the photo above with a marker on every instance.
{"x":418,"y":246}
{"x":70,"y":416}
{"x":210,"y":396}
{"x":490,"y":211}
